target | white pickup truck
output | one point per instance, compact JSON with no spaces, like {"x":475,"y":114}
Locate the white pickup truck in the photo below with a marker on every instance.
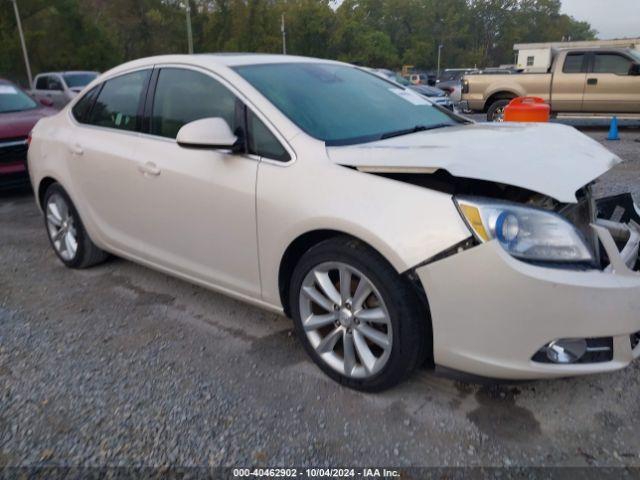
{"x":60,"y":87}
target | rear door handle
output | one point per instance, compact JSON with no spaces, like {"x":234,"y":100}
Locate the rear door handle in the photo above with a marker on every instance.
{"x":76,"y":149}
{"x":592,"y":81}
{"x":149,"y":169}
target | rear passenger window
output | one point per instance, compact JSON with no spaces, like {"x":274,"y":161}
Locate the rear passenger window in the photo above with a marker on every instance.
{"x":611,"y":63}
{"x":82,"y":108}
{"x":574,"y":63}
{"x":262,"y":142}
{"x":118,"y":103}
{"x":183,"y":96}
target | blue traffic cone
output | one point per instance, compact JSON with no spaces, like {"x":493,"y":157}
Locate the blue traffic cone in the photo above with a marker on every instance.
{"x":613,"y":129}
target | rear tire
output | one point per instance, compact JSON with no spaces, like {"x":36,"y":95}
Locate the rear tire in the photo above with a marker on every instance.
{"x":496,"y":110}
{"x":67,"y":235}
{"x":365,"y":341}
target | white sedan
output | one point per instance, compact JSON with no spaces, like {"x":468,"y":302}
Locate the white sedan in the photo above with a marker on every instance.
{"x":393,"y":232}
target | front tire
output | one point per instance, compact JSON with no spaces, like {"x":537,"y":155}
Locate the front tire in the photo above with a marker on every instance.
{"x":66,"y":233}
{"x":358,"y":319}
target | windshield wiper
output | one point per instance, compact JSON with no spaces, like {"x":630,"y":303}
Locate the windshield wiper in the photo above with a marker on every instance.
{"x":416,"y":129}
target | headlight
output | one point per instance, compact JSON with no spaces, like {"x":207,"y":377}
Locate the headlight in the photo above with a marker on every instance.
{"x":527,"y":233}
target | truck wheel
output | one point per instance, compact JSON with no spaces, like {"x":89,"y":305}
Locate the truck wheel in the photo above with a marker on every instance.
{"x":496,"y":110}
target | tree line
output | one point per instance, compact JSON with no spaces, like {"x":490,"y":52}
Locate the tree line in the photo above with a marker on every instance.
{"x":99,"y":34}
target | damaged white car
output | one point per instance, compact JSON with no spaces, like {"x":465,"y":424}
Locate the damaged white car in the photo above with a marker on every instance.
{"x":392,"y":231}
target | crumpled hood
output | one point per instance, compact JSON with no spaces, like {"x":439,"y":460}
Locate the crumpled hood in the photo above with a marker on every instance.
{"x":555,"y":160}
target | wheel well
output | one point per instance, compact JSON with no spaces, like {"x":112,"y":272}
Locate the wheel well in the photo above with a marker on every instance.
{"x":498,"y":96}
{"x":45,"y":183}
{"x":292,"y":256}
{"x":303,"y":243}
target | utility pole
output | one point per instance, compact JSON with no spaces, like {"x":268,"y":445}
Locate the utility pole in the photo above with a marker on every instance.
{"x":284,"y":36}
{"x":24,"y":45}
{"x":189,"y":32}
{"x":439,"y":54}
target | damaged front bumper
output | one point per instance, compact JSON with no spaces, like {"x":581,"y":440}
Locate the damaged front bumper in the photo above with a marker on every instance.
{"x":493,"y":314}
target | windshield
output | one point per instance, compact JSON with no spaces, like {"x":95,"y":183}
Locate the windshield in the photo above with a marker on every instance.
{"x":13,"y":99}
{"x":635,"y":54}
{"x":343,"y":105}
{"x":75,"y":80}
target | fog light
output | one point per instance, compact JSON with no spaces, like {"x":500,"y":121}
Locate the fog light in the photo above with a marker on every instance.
{"x":566,"y":350}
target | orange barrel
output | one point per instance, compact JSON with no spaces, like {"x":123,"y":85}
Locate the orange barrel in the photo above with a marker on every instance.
{"x":527,"y":109}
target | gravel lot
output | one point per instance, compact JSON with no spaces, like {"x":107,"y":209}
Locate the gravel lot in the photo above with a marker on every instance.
{"x":120,"y":365}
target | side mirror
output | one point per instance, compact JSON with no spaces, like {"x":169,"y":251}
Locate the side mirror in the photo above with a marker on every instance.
{"x":46,"y":102}
{"x":207,"y":133}
{"x":635,"y":69}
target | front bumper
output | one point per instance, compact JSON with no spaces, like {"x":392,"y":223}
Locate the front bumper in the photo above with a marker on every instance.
{"x":13,"y":162}
{"x":491,"y":313}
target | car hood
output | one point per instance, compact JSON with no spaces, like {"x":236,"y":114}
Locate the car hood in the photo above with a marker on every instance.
{"x":555,"y":160}
{"x":19,"y":124}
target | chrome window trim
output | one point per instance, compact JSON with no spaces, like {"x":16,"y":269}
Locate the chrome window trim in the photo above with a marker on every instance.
{"x":272,"y":128}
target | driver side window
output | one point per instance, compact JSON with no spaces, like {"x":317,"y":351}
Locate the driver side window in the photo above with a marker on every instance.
{"x":183,"y":96}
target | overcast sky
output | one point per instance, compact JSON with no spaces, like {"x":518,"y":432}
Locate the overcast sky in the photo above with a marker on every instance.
{"x":611,"y":18}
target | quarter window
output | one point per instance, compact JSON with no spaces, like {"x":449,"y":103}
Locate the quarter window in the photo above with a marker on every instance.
{"x":82,"y":108}
{"x":183,"y":96}
{"x":611,"y":63}
{"x":262,"y":142}
{"x":118,"y":103}
{"x":574,"y":63}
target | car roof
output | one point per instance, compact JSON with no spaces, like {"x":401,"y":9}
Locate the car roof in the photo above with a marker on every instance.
{"x":219,"y":60}
{"x":66,"y":72}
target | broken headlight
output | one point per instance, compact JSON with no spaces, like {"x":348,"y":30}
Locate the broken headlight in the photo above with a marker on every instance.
{"x":527,"y":233}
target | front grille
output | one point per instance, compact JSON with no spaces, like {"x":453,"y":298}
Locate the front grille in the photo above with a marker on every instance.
{"x":635,"y":340}
{"x":13,"y":150}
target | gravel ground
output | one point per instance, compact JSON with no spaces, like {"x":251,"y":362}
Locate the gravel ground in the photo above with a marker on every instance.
{"x":121,"y":365}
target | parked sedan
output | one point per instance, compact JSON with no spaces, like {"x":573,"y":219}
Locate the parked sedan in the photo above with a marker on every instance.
{"x":18,"y":114}
{"x":393,"y":232}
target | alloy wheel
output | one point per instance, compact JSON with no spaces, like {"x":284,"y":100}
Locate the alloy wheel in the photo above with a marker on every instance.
{"x":346,"y":320}
{"x":61,"y":226}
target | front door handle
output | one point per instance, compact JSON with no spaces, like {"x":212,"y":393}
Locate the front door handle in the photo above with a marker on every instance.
{"x":149,"y":169}
{"x":76,"y":149}
{"x":592,"y":81}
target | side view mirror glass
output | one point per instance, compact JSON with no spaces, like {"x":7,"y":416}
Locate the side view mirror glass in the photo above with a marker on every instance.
{"x":207,"y":133}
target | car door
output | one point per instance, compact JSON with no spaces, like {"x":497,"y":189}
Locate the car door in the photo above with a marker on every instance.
{"x":195,"y":212}
{"x":610,"y":88}
{"x":102,"y":145}
{"x":569,"y":80}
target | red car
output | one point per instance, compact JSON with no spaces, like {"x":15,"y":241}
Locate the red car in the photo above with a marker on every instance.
{"x":18,"y":114}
